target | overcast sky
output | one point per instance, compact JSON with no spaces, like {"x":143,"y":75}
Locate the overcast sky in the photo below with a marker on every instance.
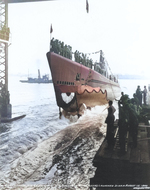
{"x":120,"y":28}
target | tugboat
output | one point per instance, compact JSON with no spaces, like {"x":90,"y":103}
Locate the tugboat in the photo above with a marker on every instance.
{"x":81,"y":81}
{"x":44,"y":79}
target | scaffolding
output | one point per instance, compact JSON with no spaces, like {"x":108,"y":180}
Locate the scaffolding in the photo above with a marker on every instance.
{"x":4,"y":43}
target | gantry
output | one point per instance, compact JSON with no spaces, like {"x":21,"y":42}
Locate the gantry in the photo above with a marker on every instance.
{"x":5,"y":41}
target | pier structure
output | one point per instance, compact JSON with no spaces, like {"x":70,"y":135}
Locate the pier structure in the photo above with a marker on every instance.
{"x":131,"y":169}
{"x":5,"y":41}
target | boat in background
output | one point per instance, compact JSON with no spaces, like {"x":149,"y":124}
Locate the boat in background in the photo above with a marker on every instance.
{"x":44,"y":79}
{"x":76,"y":84}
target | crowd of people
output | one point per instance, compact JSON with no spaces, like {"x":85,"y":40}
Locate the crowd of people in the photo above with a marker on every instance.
{"x":129,"y":111}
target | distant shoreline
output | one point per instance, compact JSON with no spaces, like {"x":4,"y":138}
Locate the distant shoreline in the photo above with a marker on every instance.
{"x":137,"y":77}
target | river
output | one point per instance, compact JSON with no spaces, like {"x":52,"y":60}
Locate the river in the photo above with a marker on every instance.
{"x":41,"y":150}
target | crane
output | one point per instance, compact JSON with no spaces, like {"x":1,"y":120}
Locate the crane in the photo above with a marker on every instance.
{"x":5,"y":42}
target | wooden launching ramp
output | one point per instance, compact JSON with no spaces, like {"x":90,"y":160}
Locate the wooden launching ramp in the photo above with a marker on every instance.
{"x":132,"y":168}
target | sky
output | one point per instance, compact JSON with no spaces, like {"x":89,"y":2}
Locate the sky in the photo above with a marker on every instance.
{"x":120,"y":28}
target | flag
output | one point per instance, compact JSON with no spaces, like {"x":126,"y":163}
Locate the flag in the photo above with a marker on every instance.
{"x":51,"y":30}
{"x":87,"y":6}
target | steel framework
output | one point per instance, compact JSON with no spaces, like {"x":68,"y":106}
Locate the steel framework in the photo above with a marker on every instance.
{"x":4,"y":42}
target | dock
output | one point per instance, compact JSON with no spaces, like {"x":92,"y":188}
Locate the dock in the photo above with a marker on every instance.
{"x":131,"y":168}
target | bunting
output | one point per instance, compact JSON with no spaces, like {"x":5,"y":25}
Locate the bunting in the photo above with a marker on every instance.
{"x":88,"y":53}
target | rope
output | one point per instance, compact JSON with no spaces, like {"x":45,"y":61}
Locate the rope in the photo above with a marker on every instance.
{"x":112,"y":88}
{"x":88,"y":53}
{"x":111,"y":74}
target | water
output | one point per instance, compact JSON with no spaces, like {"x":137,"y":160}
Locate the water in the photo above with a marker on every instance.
{"x":37,"y":101}
{"x":42,"y":121}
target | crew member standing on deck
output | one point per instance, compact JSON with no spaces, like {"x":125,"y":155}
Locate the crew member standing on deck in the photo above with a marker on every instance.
{"x":110,"y":124}
{"x":144,"y":95}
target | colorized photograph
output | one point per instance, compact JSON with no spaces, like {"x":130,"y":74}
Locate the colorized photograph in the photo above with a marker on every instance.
{"x":74,"y":94}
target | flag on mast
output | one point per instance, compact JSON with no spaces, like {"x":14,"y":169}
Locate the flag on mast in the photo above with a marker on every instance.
{"x":87,"y":6}
{"x":51,"y":30}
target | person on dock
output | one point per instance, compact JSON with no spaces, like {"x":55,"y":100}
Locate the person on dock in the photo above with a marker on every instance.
{"x":123,"y":124}
{"x":110,"y":125}
{"x":123,"y":98}
{"x":135,"y":102}
{"x":148,"y":95}
{"x":133,"y":123}
{"x":139,"y":95}
{"x":144,"y":95}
